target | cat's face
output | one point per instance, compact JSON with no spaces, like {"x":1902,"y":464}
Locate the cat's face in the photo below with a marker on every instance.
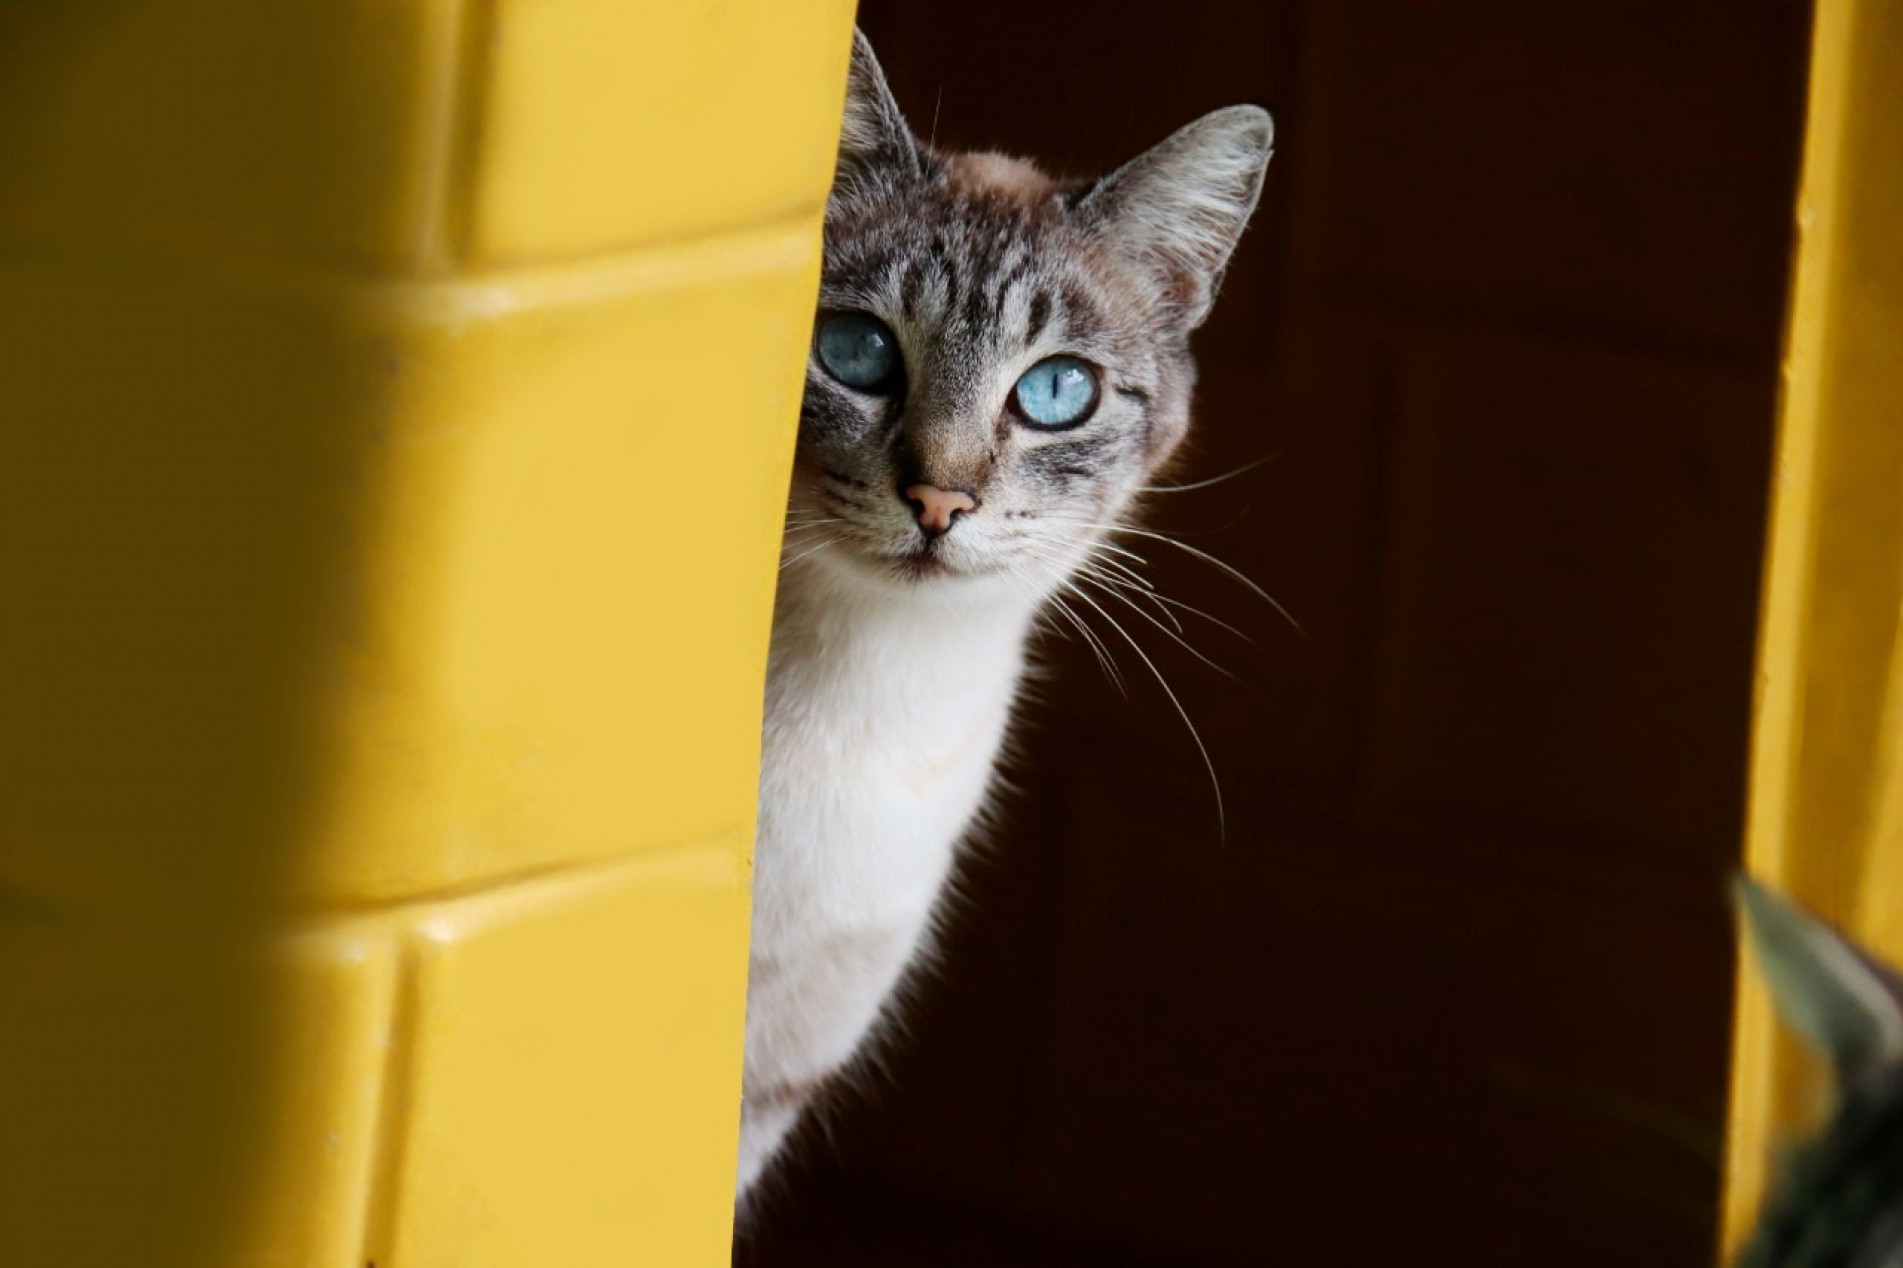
{"x":1000,"y":360}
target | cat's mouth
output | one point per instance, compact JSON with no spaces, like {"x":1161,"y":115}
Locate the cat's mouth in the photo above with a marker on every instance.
{"x":920,"y":561}
{"x":931,"y":561}
{"x":922,"y":564}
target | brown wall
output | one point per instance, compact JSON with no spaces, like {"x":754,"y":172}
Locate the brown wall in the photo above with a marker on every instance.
{"x":1455,"y":989}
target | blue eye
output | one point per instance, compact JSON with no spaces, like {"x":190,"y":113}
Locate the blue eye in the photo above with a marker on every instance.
{"x":1056,"y":392}
{"x":859,"y":351}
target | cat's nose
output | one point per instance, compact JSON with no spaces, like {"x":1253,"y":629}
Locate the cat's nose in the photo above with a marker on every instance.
{"x":937,"y":507}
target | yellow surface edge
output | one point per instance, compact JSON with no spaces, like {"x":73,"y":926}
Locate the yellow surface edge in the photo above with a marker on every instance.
{"x":1826,"y":803}
{"x":399,"y":405}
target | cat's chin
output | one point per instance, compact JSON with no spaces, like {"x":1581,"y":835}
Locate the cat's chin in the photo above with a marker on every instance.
{"x":927,"y":571}
{"x":923,"y":566}
{"x":921,"y":569}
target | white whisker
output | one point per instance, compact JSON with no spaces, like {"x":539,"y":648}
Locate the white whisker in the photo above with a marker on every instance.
{"x":1105,"y":660}
{"x":1226,"y":568}
{"x":1123,"y":597}
{"x":1105,"y":561}
{"x":1226,"y":476}
{"x":1193,"y":610}
{"x":1222,"y":817}
{"x":788,"y":563}
{"x":1126,"y":579}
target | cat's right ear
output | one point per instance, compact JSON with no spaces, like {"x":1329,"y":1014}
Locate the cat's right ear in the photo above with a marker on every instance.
{"x":1181,"y":206}
{"x":1828,"y":989}
{"x":875,"y":145}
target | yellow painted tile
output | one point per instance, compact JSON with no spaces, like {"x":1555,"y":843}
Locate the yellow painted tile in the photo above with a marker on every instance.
{"x":168,"y":1096}
{"x":183,"y":487}
{"x":604,"y":125}
{"x":573,"y":1087}
{"x":559,"y":650}
{"x":330,"y":1015}
{"x":370,"y":592}
{"x":314,"y":132}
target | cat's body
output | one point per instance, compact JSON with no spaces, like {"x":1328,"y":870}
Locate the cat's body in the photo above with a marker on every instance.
{"x":884,"y":722}
{"x":1839,"y":1203}
{"x":1000,"y":362}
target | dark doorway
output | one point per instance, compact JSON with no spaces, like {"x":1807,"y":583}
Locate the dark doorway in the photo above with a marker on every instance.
{"x":1456,"y":987}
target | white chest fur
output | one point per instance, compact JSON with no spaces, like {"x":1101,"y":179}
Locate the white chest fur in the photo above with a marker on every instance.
{"x":885,"y":711}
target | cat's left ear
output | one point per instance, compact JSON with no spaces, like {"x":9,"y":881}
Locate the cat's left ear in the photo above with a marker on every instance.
{"x":876,"y":146}
{"x":1182,"y":205}
{"x":1828,"y":989}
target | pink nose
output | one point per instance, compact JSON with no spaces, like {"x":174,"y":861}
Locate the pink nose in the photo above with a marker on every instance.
{"x":938,"y":507}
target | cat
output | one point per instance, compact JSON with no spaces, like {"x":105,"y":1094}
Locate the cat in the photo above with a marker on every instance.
{"x":1840,"y":1202}
{"x":1000,"y":360}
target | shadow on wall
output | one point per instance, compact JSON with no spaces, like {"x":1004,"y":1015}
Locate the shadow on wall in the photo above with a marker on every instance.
{"x":1505,"y":334}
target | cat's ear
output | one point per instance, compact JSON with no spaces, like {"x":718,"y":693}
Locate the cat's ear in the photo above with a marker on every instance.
{"x":1828,"y":989}
{"x":1182,"y":205}
{"x":875,"y":144}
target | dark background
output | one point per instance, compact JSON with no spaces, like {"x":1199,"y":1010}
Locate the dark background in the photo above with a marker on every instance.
{"x":1456,"y":988}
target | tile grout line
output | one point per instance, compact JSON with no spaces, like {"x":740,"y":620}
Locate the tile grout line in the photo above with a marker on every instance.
{"x":391,"y":1132}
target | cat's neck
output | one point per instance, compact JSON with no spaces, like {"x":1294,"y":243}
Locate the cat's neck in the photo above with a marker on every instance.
{"x":947,"y":636}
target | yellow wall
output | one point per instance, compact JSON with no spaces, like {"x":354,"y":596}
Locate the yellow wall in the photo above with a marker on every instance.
{"x":1827,"y":767}
{"x":397,"y":402}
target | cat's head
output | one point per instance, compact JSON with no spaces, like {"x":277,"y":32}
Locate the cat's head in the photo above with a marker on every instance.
{"x":1001,"y":359}
{"x":1840,"y":1202}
